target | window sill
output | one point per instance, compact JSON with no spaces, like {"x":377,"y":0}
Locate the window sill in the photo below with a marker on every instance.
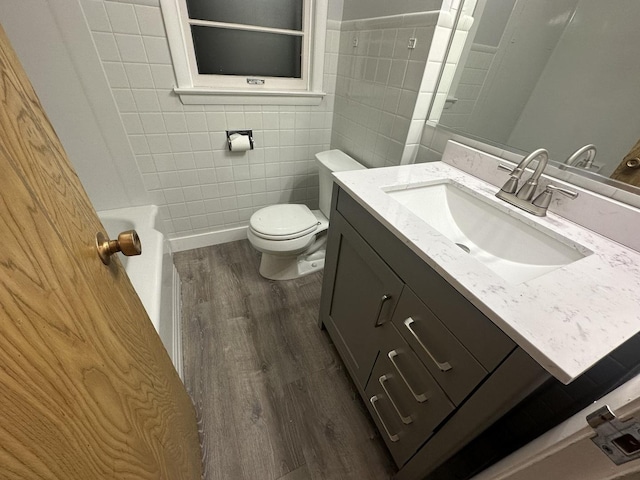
{"x":209,"y":96}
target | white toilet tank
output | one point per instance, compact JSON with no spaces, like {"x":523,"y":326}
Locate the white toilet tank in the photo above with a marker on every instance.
{"x":328,"y":162}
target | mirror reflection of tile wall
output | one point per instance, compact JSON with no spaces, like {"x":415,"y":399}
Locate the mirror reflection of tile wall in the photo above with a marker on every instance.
{"x":385,"y":87}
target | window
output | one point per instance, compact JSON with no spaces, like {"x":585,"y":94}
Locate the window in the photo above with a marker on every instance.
{"x":247,"y":50}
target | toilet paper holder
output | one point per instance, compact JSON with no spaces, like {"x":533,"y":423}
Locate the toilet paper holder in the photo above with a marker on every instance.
{"x":247,"y":133}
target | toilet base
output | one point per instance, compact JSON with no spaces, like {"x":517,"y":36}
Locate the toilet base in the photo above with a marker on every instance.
{"x":278,"y":267}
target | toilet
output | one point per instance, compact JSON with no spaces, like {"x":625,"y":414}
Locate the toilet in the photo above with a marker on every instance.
{"x":291,"y":237}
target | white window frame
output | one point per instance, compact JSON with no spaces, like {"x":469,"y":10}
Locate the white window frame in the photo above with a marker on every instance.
{"x":195,"y":88}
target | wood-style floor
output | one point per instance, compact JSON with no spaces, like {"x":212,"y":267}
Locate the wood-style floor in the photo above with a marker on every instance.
{"x":273,"y":399}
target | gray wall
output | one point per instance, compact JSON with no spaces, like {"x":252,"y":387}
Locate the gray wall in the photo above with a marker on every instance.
{"x":516,"y":67}
{"x":588,"y":90}
{"x":334,"y":11}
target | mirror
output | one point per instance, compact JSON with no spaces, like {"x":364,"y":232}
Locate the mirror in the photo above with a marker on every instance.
{"x":554,"y":74}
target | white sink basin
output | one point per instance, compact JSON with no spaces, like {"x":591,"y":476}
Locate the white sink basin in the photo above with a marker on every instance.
{"x":515,"y":250}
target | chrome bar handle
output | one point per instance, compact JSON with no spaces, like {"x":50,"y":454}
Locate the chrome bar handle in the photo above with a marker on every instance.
{"x":406,"y":419}
{"x":568,"y":193}
{"x":443,"y":366}
{"x":392,"y":436}
{"x":383,"y":300}
{"x":420,"y":397}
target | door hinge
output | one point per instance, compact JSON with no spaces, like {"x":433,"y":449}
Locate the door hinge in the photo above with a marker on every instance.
{"x":619,"y":440}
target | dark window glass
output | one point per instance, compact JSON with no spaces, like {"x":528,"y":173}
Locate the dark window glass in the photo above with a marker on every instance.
{"x":222,"y":51}
{"x":285,"y":14}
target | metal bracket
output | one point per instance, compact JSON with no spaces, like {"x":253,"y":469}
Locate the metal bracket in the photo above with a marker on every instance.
{"x":619,"y":440}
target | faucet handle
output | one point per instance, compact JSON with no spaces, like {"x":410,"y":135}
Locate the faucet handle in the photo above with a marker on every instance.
{"x":544,"y":199}
{"x":511,"y":184}
{"x":515,"y":172}
{"x":568,"y":193}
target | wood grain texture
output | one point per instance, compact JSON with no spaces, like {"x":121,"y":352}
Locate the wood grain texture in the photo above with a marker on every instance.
{"x":625,"y":174}
{"x":273,"y":399}
{"x":87,"y":390}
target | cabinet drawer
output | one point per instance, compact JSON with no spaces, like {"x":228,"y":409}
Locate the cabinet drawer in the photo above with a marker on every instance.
{"x":455,"y":369}
{"x":404,"y":400}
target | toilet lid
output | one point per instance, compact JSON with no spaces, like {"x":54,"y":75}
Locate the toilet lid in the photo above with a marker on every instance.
{"x":283,"y":222}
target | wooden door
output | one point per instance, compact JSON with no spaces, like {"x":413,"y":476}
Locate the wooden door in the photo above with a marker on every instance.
{"x":629,"y":169}
{"x":87,"y":390}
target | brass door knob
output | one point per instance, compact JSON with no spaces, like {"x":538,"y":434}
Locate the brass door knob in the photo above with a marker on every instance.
{"x":128,"y":243}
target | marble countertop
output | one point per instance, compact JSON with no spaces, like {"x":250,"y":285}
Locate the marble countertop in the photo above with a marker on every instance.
{"x":567,"y":319}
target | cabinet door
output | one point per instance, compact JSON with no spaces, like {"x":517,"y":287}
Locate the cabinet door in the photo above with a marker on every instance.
{"x":363,"y":295}
{"x":455,"y":369}
{"x":405,"y":401}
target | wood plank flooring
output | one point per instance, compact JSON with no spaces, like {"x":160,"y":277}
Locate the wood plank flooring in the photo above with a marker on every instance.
{"x":273,"y":399}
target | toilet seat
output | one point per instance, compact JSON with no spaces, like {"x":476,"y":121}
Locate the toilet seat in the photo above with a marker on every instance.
{"x":283,"y":222}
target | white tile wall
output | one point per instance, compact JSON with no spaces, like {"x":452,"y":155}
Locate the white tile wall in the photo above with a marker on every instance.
{"x":180,"y":150}
{"x":431,"y":143}
{"x":445,"y":53}
{"x":469,"y":88}
{"x":379,"y":86}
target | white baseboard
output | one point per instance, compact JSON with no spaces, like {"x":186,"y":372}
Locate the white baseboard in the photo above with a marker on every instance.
{"x":189,"y":242}
{"x":177,"y":324}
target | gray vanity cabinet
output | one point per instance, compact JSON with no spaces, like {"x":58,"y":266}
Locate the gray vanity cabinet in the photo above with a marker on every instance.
{"x":364,"y":294}
{"x":449,"y":391}
{"x":417,"y":350}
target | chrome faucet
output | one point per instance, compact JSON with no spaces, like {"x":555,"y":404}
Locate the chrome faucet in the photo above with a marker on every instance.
{"x":527,"y":191}
{"x":522,"y":198}
{"x":583,"y":157}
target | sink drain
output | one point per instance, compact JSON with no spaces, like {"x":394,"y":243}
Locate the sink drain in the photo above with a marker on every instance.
{"x":464,"y":247}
